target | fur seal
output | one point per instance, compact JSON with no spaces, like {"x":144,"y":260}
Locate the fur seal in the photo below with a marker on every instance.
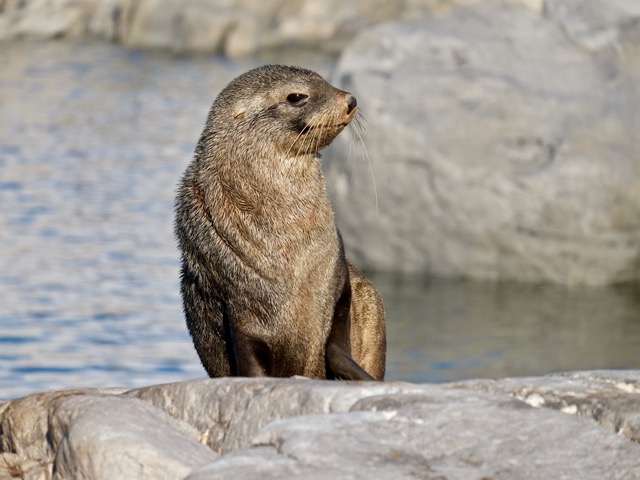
{"x":266,"y":287}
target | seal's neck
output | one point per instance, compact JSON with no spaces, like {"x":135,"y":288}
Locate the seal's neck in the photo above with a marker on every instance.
{"x":274,"y":178}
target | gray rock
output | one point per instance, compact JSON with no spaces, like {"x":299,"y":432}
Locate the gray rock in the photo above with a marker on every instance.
{"x":106,"y":438}
{"x":227,"y":414}
{"x":511,"y":151}
{"x":298,"y":428}
{"x":433,"y":433}
{"x":596,"y":25}
{"x":86,"y":434}
{"x":609,"y":398}
{"x":43,"y":19}
{"x":233,"y":27}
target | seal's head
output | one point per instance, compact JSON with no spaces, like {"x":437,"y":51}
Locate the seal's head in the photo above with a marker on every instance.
{"x":291,"y":109}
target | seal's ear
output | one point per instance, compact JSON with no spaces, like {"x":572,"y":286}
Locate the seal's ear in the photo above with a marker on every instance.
{"x":248,"y":107}
{"x":242,"y":109}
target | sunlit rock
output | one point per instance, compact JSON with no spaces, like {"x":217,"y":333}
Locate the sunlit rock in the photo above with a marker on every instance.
{"x":233,"y":27}
{"x":298,"y":428}
{"x":501,"y":148}
{"x":44,"y":19}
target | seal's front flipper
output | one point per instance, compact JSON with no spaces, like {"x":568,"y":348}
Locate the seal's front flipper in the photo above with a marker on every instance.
{"x":340,"y":364}
{"x":342,"y":367}
{"x":253,"y":356}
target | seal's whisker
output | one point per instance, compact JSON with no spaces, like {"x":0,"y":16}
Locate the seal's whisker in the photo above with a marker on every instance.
{"x":352,"y":138}
{"x":361,"y":121}
{"x":365,"y":153}
{"x":361,"y":117}
{"x":322,"y":125}
{"x":303,"y":134}
{"x":294,"y":142}
{"x":306,"y":141}
{"x":314,"y":135}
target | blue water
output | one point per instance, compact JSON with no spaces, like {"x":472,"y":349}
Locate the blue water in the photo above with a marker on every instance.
{"x":93,"y":139}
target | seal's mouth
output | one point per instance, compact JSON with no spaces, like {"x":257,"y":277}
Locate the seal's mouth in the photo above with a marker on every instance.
{"x":326,"y":127}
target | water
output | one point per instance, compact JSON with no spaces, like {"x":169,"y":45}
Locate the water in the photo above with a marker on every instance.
{"x":446,"y":330}
{"x":93,"y":139}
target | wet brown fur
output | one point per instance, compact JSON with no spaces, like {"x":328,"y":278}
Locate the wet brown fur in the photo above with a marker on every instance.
{"x":265,"y":284}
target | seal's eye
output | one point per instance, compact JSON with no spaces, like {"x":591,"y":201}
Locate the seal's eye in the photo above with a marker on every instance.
{"x":297,"y":99}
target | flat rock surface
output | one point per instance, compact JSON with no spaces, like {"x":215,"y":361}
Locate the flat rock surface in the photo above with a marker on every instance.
{"x":581,"y":425}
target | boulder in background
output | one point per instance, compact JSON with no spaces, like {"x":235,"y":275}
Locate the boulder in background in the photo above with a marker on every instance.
{"x":512,"y":152}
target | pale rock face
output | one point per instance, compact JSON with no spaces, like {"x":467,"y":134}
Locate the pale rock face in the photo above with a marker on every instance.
{"x":596,"y":25}
{"x":584,"y":425}
{"x":90,"y":434}
{"x":45,"y":18}
{"x":501,"y":149}
{"x":235,"y":28}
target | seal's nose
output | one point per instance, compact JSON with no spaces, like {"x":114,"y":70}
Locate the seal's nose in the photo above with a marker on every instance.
{"x":351,"y":103}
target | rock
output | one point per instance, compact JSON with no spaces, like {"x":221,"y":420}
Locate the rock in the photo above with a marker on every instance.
{"x":228,"y":414}
{"x":45,"y":18}
{"x":609,"y":398}
{"x":447,"y":438}
{"x":233,"y":27}
{"x":13,"y":466}
{"x":24,"y":424}
{"x":106,"y":438}
{"x":298,"y":428}
{"x":596,"y":25}
{"x":88,"y":434}
{"x":511,"y":152}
